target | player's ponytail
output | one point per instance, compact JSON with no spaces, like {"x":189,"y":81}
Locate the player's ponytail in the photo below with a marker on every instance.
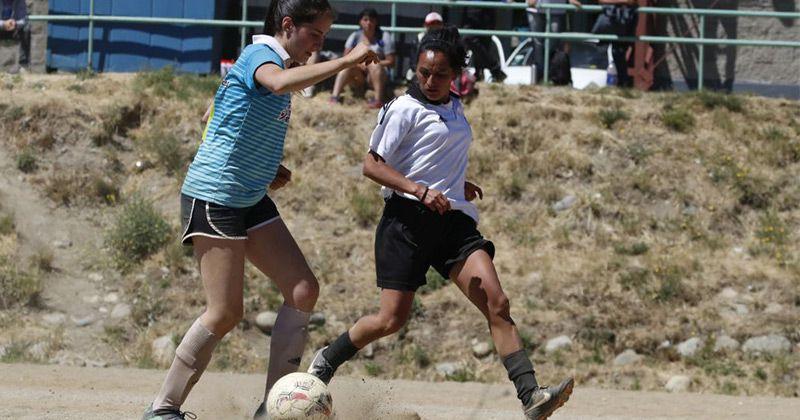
{"x":448,"y":41}
{"x":301,"y":11}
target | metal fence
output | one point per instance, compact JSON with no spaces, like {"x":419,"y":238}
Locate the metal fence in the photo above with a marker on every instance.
{"x":700,"y":41}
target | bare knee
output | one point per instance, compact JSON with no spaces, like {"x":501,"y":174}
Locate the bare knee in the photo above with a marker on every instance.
{"x":221,"y":320}
{"x":499,"y":309}
{"x":304,"y":293}
{"x":392,"y":323}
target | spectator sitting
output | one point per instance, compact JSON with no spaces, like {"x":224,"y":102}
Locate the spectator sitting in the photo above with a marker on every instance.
{"x":374,"y":74}
{"x":537,"y":19}
{"x":619,"y":17}
{"x":14,"y":26}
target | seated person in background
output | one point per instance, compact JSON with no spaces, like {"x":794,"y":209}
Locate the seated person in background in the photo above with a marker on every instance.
{"x":375,"y":74}
{"x":14,"y":26}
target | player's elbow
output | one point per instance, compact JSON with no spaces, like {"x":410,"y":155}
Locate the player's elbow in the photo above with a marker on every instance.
{"x":278,"y":89}
{"x":273,"y":81}
{"x":370,"y":167}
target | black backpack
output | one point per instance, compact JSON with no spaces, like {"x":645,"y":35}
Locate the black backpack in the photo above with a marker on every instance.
{"x":560,"y":68}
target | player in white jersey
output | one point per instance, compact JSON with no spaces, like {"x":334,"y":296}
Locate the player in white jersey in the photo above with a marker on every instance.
{"x":418,"y":154}
{"x":227,"y":215}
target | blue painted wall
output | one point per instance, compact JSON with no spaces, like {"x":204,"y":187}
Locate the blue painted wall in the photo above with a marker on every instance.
{"x":129,"y":47}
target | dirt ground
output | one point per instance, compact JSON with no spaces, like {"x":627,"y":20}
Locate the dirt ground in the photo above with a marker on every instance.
{"x":58,"y":392}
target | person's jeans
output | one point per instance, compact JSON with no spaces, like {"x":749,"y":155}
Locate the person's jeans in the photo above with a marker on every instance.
{"x":621,"y":21}
{"x":538,"y":23}
{"x":23,"y":36}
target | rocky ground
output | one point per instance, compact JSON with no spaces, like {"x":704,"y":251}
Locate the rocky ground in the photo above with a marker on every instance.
{"x":647,"y":242}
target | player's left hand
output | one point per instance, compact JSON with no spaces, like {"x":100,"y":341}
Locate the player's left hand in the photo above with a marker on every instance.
{"x":282,"y":177}
{"x":472,"y":191}
{"x":10,"y":25}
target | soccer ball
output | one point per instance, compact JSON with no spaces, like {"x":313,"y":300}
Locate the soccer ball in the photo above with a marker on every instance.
{"x":299,"y":396}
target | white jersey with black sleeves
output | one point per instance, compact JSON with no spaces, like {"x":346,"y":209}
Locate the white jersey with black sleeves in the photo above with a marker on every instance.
{"x":427,"y":143}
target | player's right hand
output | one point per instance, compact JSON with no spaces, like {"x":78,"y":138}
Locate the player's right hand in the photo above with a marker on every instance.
{"x":10,"y":25}
{"x":435,"y":201}
{"x":361,"y":54}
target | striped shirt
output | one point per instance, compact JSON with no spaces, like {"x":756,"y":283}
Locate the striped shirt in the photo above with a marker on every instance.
{"x":243,"y":141}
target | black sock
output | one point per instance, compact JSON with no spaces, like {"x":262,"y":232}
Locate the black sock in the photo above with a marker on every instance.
{"x":340,"y":351}
{"x":520,"y":371}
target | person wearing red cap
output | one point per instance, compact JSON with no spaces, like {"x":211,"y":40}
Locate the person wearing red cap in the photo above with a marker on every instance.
{"x":432,"y":21}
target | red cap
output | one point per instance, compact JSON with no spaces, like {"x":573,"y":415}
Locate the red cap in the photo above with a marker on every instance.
{"x":433,"y":17}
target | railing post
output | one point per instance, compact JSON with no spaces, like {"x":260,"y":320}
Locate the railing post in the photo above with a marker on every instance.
{"x":394,"y":15}
{"x":702,"y":53}
{"x":90,"y":47}
{"x":243,"y":28}
{"x":547,"y":48}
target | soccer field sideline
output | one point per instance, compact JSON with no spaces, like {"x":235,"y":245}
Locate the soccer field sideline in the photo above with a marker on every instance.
{"x":61,"y":392}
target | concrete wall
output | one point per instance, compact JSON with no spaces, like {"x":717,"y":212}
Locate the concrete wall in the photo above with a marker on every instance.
{"x":735,"y":66}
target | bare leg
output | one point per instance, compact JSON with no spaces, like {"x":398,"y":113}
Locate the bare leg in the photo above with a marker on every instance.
{"x":342,"y":79}
{"x":377,"y":77}
{"x":393,"y":314}
{"x":222,"y":269}
{"x":273,"y":250}
{"x":351,"y":76}
{"x":477,"y":279}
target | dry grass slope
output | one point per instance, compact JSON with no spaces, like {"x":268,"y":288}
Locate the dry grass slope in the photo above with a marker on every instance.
{"x":676,"y":197}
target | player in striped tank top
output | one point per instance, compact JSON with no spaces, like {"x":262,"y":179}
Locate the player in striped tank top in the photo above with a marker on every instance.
{"x":227,"y":215}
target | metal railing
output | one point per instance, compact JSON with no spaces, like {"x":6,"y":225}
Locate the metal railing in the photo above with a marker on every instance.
{"x":701,"y":41}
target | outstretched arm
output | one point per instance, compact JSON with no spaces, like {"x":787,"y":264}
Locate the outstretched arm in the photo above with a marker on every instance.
{"x":281,"y":81}
{"x":376,"y":169}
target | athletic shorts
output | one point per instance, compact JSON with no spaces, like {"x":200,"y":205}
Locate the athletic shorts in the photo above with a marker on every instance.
{"x":203,"y":218}
{"x":411,"y":238}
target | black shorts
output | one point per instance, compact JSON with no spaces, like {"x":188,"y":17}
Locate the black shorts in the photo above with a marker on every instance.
{"x":411,"y":238}
{"x":203,"y":218}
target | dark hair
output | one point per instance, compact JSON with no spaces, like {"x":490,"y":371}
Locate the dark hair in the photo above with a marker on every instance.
{"x":368,"y":12}
{"x":301,"y":11}
{"x":448,"y":41}
{"x":373,"y":14}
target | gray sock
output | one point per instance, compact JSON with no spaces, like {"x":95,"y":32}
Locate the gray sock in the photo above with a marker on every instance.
{"x":191,"y":358}
{"x":520,"y":372}
{"x":289,"y":337}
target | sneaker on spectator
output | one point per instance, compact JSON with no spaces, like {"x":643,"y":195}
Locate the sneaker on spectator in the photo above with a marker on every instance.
{"x":335,"y":100}
{"x":374,"y":104}
{"x":308,"y":92}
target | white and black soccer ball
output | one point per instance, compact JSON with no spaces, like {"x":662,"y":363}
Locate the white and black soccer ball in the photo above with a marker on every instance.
{"x":299,"y":396}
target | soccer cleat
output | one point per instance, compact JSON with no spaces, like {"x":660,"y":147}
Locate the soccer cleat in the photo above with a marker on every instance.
{"x":166,"y":414}
{"x":544,"y":401}
{"x":321,"y":368}
{"x":261,"y":412}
